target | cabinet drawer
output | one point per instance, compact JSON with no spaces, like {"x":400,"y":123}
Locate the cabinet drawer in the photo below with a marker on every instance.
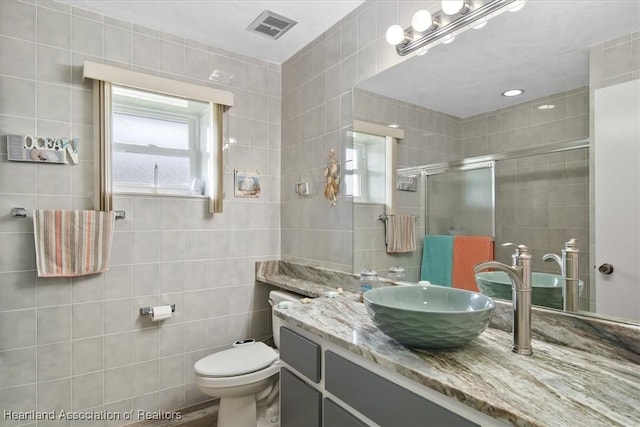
{"x":300,"y":404}
{"x":381,"y":400}
{"x":334,"y":416}
{"x":300,"y":353}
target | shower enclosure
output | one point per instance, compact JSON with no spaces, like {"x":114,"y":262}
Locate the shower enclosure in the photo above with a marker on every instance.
{"x":535,"y":196}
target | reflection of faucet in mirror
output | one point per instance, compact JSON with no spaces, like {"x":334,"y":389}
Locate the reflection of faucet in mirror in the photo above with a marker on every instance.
{"x":556,"y":258}
{"x":520,"y":275}
{"x":569,"y":270}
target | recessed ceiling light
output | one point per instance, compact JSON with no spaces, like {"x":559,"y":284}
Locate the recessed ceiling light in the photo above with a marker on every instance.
{"x":513,"y":92}
{"x":394,"y":125}
{"x":546,"y":107}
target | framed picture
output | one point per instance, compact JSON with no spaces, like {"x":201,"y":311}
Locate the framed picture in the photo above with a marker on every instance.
{"x":246,"y":183}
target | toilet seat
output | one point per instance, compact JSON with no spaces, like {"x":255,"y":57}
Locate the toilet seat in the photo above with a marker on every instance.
{"x":236,"y":361}
{"x":237,"y":366}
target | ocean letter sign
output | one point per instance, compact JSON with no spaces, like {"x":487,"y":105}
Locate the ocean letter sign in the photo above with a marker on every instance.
{"x":26,"y":148}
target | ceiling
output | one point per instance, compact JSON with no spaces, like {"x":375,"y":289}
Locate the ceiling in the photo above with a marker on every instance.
{"x":543,"y":49}
{"x":223,"y":23}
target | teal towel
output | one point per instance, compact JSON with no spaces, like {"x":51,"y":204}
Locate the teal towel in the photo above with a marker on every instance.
{"x":437,"y":259}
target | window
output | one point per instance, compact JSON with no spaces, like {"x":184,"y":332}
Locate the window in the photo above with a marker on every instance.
{"x":159,"y":142}
{"x":367,"y":163}
{"x":156,"y":135}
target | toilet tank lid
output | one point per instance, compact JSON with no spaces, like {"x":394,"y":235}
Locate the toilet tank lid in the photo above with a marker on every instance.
{"x":243,"y":359}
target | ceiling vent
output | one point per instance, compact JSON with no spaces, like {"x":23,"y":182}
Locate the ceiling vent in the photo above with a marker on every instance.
{"x":271,"y":24}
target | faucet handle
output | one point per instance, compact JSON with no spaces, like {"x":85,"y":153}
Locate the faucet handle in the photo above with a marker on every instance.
{"x":571,"y":243}
{"x":519,"y":248}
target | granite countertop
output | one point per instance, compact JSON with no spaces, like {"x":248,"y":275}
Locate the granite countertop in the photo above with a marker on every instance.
{"x":556,"y":386}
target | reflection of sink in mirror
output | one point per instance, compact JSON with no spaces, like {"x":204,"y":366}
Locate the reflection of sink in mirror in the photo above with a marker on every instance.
{"x":424,"y":317}
{"x":547,"y":288}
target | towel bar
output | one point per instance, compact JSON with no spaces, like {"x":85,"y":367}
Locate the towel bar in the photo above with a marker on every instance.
{"x":383,"y":217}
{"x":22,"y":213}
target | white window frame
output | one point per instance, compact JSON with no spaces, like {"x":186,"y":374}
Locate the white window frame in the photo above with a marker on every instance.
{"x":104,"y":75}
{"x":392,"y":136}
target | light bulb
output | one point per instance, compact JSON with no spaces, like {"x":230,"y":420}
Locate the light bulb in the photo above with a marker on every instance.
{"x":422,"y":51}
{"x":395,"y":35}
{"x":421,"y":20}
{"x":517,"y":5}
{"x":451,"y":7}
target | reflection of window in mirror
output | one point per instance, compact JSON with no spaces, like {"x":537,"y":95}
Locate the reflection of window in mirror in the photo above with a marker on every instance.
{"x":367,"y":163}
{"x":159,"y":142}
{"x":156,"y":135}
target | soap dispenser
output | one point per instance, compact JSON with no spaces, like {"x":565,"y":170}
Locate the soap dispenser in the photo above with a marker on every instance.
{"x":368,"y":280}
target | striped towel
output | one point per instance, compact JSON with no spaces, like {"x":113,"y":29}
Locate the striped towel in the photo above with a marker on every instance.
{"x":72,"y":243}
{"x":401,"y":233}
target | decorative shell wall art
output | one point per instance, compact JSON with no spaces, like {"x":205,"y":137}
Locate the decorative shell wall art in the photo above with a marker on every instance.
{"x":332,"y":179}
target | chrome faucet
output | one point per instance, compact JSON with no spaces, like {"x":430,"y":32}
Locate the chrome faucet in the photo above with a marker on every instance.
{"x":556,"y":258}
{"x":520,"y":275}
{"x":570,"y":274}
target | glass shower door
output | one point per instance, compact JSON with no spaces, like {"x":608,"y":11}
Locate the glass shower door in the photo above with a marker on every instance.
{"x":461,"y":200}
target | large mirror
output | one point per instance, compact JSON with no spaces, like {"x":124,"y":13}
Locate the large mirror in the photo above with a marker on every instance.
{"x":449,"y":103}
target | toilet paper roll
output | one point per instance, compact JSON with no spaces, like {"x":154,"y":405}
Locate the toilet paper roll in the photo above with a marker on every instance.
{"x":161,"y":312}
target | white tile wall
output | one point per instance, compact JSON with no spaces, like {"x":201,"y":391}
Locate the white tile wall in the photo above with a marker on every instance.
{"x":79,"y":343}
{"x":317,"y":104}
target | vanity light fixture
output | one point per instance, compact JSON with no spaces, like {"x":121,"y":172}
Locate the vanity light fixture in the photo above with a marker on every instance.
{"x":455,"y":17}
{"x":512,"y":92}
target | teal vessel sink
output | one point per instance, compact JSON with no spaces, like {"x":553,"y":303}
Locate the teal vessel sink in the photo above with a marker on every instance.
{"x":547,"y":288}
{"x":429,"y":317}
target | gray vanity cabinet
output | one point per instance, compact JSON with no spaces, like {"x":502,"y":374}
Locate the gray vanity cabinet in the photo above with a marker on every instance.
{"x":354,"y":396}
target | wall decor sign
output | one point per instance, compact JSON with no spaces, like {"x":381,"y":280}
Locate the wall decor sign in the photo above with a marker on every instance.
{"x":246,"y":183}
{"x":38,"y":149}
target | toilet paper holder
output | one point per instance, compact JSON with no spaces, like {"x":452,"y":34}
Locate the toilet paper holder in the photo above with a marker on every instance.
{"x":147,"y":311}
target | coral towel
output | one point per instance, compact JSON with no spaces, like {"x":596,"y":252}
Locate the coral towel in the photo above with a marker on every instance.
{"x":467,"y":252}
{"x":401,"y":233}
{"x":72,"y":243}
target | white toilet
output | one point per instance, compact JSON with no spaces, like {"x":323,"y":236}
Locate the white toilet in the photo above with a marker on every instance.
{"x":245,"y":378}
